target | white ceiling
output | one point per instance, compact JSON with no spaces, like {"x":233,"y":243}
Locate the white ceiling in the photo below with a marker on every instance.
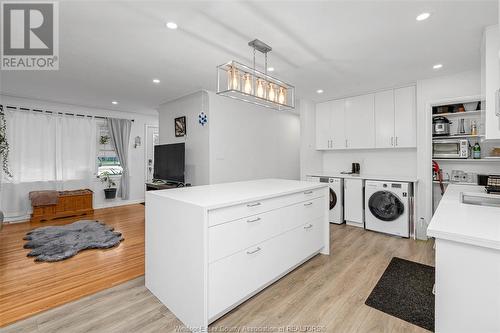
{"x":113,"y":50}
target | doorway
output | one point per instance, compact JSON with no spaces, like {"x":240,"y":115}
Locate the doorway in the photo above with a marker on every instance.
{"x":152,"y":139}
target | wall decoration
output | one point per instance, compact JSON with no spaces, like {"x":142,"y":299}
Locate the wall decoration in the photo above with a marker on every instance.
{"x":4,"y":144}
{"x":202,"y":118}
{"x":180,"y":126}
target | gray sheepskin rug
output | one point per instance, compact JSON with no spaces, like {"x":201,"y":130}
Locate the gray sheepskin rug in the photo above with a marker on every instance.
{"x":55,"y":243}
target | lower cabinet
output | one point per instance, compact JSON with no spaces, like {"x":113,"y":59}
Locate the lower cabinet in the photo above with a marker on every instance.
{"x":239,"y":276}
{"x":353,"y":202}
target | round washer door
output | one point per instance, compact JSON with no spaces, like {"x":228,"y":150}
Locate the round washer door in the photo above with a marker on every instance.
{"x":385,"y":206}
{"x":333,"y":199}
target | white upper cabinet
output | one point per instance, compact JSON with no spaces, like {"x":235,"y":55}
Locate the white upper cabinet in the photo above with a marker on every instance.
{"x":405,"y":117}
{"x":491,"y":81}
{"x":323,"y":116}
{"x":384,"y":119}
{"x":360,"y":122}
{"x":395,"y":118}
{"x":337,"y":124}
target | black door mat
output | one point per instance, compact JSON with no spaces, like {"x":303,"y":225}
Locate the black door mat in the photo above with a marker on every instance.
{"x":405,"y":291}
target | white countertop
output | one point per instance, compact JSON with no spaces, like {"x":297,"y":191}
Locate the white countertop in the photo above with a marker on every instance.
{"x":365,"y":176}
{"x":465,"y":223}
{"x":228,"y":194}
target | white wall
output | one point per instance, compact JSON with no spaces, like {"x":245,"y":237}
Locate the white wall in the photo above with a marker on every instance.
{"x":196,"y":138}
{"x":251,"y":142}
{"x":429,"y":91}
{"x":384,"y":162}
{"x":311,"y":160}
{"x":136,"y":155}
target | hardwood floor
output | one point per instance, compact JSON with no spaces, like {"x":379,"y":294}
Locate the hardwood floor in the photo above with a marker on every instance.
{"x":327,"y":292}
{"x":27,"y":287}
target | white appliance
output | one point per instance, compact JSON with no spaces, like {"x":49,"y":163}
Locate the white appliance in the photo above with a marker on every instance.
{"x":388,"y":207}
{"x":336,"y":197}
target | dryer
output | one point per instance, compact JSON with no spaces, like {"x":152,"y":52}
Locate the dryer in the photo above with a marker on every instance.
{"x":336,"y":204}
{"x":387,"y":207}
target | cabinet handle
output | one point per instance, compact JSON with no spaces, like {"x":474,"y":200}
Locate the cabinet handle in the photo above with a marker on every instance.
{"x":396,"y":141}
{"x":346,"y":143}
{"x":308,"y":204}
{"x":254,"y":204}
{"x":254,"y":251}
{"x":309,"y":226}
{"x":308,"y":192}
{"x":392,"y":141}
{"x":254,"y":220}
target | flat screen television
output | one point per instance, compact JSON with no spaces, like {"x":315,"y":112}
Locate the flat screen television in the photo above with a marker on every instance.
{"x":169,"y":162}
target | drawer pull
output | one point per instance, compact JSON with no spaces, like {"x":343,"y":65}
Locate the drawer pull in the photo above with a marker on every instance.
{"x":254,"y":220}
{"x":254,"y":204}
{"x":308,"y":192}
{"x":309,"y":226}
{"x":308,"y":204}
{"x":254,"y":251}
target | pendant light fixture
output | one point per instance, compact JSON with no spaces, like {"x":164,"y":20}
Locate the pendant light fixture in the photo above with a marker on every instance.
{"x":247,"y":84}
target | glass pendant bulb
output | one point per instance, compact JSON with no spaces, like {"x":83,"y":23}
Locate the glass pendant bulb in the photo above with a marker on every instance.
{"x":260,"y":88}
{"x":247,"y":83}
{"x":282,"y":95}
{"x":233,"y":79}
{"x":271,"y":95}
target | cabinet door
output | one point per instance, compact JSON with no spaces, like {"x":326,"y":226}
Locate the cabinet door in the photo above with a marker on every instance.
{"x":491,"y":83}
{"x":360,"y":122}
{"x":405,"y":124}
{"x":384,"y":119}
{"x":353,"y":200}
{"x":337,"y":124}
{"x":323,"y":115}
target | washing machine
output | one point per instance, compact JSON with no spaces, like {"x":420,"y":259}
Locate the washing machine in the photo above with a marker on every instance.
{"x":387,"y":207}
{"x":336,"y":185}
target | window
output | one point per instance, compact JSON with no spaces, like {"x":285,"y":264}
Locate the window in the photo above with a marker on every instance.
{"x":107,"y":160}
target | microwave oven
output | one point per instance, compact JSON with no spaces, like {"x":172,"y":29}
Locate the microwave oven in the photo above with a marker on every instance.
{"x":450,"y":148}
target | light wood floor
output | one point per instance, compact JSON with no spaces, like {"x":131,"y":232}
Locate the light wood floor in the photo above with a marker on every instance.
{"x":27,"y":288}
{"x":327,"y":292}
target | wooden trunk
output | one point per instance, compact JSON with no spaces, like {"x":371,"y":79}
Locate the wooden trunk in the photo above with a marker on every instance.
{"x":71,"y":203}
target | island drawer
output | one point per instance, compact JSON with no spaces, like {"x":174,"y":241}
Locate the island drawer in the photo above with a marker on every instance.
{"x":228,"y":238}
{"x":225,"y":214}
{"x":239,"y":276}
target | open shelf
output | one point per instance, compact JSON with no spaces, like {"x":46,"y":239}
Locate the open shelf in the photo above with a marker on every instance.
{"x":456,"y":136}
{"x":447,"y":182}
{"x":466,"y":113}
{"x":468,"y":160}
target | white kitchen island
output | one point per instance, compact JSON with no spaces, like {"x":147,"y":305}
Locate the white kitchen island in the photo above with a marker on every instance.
{"x":467,"y":263}
{"x":210,"y":248}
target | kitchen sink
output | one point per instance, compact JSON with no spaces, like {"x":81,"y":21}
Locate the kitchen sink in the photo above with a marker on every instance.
{"x":480,"y":199}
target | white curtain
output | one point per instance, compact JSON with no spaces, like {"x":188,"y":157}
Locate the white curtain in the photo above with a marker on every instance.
{"x":47,"y":152}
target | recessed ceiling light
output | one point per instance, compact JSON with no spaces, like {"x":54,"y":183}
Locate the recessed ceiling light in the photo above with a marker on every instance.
{"x":437,"y":66}
{"x":114,"y":102}
{"x":319,"y":91}
{"x":171,"y":25}
{"x":270,"y":69}
{"x":156,"y":80}
{"x":423,"y":16}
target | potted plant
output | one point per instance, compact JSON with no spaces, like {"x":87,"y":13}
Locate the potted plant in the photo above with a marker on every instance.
{"x":104,"y":139}
{"x":110,"y":191}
